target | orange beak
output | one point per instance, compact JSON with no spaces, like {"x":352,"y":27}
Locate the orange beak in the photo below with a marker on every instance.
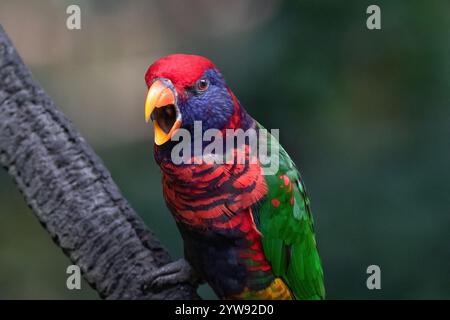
{"x":161,"y":101}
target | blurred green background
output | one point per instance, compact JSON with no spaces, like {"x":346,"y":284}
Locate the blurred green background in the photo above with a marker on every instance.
{"x":365,"y":114}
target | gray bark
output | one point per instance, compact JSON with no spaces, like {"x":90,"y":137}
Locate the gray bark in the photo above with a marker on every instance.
{"x":71,"y":192}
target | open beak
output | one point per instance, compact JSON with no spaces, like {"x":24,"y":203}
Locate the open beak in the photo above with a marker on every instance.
{"x":161,"y":107}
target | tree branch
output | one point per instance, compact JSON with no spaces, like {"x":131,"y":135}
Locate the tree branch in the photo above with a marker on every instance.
{"x":71,"y":192}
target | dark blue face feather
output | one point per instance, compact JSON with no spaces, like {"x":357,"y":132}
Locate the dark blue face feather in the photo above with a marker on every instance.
{"x":213,"y":106}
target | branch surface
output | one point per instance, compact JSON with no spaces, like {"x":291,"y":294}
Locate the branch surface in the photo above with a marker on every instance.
{"x":71,"y":192}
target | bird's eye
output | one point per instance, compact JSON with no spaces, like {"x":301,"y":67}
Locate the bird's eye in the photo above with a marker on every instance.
{"x":202,"y":84}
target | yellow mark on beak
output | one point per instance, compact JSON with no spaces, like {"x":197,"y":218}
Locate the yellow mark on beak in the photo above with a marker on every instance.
{"x":161,"y":96}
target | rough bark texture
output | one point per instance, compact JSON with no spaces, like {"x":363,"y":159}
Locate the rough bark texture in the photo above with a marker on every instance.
{"x":71,"y":192}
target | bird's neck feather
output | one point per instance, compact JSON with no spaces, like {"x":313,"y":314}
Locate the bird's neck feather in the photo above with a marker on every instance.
{"x":240,"y":119}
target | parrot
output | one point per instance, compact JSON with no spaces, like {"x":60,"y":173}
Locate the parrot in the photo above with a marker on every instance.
{"x":248,"y":235}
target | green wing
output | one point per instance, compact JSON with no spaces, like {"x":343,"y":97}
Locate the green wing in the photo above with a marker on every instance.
{"x":286,"y":223}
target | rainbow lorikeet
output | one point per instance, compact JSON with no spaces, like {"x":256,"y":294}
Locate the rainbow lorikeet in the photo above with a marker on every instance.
{"x":248,"y":235}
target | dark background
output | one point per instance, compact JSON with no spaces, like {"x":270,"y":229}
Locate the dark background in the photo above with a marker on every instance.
{"x":365,"y":115}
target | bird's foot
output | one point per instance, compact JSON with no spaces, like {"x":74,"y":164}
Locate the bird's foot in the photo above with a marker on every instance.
{"x":179,"y":271}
